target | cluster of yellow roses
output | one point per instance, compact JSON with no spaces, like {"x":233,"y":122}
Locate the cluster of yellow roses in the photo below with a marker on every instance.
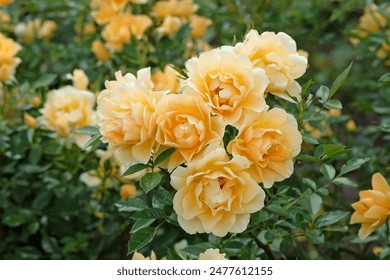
{"x":120,"y":24}
{"x":375,"y":20}
{"x":225,"y":86}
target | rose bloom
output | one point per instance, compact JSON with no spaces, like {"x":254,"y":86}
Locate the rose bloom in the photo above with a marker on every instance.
{"x":139,"y":24}
{"x":128,"y":190}
{"x":199,"y":26}
{"x":373,"y":208}
{"x":67,"y":109}
{"x":4,"y":3}
{"x":79,"y":79}
{"x":270,"y":141}
{"x":212,"y":254}
{"x":178,"y":8}
{"x":184,"y":122}
{"x":170,"y":26}
{"x":107,"y":10}
{"x":215,"y":194}
{"x":100,"y":50}
{"x":139,"y":257}
{"x":118,"y":32}
{"x":8,"y":61}
{"x":228,"y":82}
{"x":126,"y":116}
{"x":167,"y":80}
{"x":277,"y":55}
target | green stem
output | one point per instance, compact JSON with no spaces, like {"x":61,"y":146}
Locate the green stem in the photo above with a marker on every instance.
{"x":263,"y":246}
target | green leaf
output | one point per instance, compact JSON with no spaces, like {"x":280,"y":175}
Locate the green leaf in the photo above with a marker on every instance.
{"x":344,"y":181}
{"x":130,"y":205}
{"x":333,"y":104}
{"x":323,"y":94}
{"x":150,"y":213}
{"x":35,"y":154}
{"x":17,"y":219}
{"x":172,"y":255}
{"x":328,"y":171}
{"x":249,"y":250}
{"x":315,"y":203}
{"x":44,"y":80}
{"x":92,"y":141}
{"x":332,"y":150}
{"x":339,"y":81}
{"x":336,"y":228}
{"x":164,"y":155}
{"x":140,"y":224}
{"x":195,"y":250}
{"x":89,"y":130}
{"x":309,"y":139}
{"x":135,"y":168}
{"x":150,"y":180}
{"x":310,"y":183}
{"x":33,"y":227}
{"x":331,"y":218}
{"x":316,"y":236}
{"x":277,"y":209}
{"x":140,"y":239}
{"x":353,"y":164}
{"x":385,"y":78}
{"x":307,"y":158}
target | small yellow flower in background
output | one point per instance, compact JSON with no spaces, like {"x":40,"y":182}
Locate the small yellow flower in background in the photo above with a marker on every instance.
{"x":373,"y":208}
{"x":118,"y":32}
{"x":8,"y":61}
{"x":184,"y":122}
{"x":270,"y":141}
{"x":5,"y":21}
{"x":139,"y":24}
{"x":377,"y":250}
{"x":170,"y":26}
{"x":227,"y":82}
{"x":139,"y":257}
{"x":29,"y":120}
{"x":277,"y":55}
{"x":351,"y":126}
{"x":79,"y":79}
{"x":128,"y":191}
{"x":87,"y":28}
{"x":177,"y":8}
{"x":35,"y":101}
{"x":199,"y":26}
{"x":91,"y":178}
{"x":372,"y":20}
{"x":319,"y":131}
{"x":335,"y":112}
{"x":215,"y":194}
{"x":126,"y":116}
{"x":100,"y":50}
{"x":105,"y":11}
{"x":67,"y":109}
{"x":212,"y":254}
{"x":4,"y":3}
{"x":37,"y":28}
{"x":167,"y":80}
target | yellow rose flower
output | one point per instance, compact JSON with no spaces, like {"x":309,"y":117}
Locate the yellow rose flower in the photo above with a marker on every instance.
{"x":8,"y":61}
{"x":212,"y":254}
{"x":198,"y":25}
{"x":127,"y":191}
{"x":4,"y":3}
{"x":100,"y":50}
{"x":277,"y":55}
{"x":227,"y":82}
{"x":177,"y":8}
{"x":167,"y":80}
{"x":139,"y":24}
{"x":29,"y":120}
{"x":107,"y":10}
{"x":126,"y":116}
{"x":79,"y":79}
{"x":270,"y":141}
{"x":67,"y":109}
{"x":184,"y":122}
{"x":372,"y":20}
{"x":139,"y":257}
{"x":373,"y":208}
{"x":169,"y":26}
{"x":215,"y":194}
{"x":35,"y":101}
{"x":118,"y":32}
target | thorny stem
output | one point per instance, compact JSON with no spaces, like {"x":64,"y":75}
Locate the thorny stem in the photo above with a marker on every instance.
{"x":263,"y":246}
